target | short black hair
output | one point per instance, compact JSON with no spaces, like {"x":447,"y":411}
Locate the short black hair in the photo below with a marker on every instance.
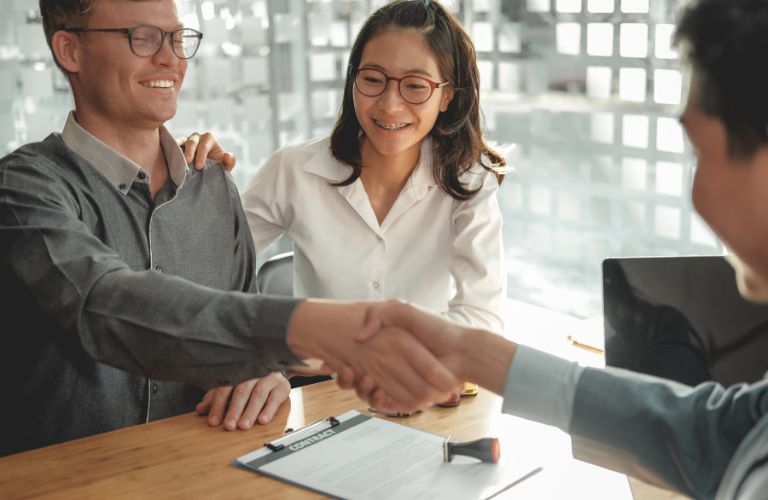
{"x":726,"y":42}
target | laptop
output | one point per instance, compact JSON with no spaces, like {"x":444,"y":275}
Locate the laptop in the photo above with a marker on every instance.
{"x":682,"y":318}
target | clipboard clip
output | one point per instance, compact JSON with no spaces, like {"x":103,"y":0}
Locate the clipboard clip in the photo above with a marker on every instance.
{"x":280,"y":443}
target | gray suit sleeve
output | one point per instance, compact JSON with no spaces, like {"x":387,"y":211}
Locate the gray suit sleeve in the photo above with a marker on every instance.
{"x":244,"y":263}
{"x":667,"y":433}
{"x":144,"y":322}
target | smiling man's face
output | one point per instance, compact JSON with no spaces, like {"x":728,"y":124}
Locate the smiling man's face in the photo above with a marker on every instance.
{"x":115,"y":86}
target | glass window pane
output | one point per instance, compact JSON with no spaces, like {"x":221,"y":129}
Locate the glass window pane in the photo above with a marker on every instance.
{"x":600,"y":39}
{"x":600,"y":6}
{"x":568,"y":5}
{"x":634,"y":6}
{"x":633,"y":40}
{"x":667,"y":86}
{"x":632,"y":84}
{"x":569,"y":38}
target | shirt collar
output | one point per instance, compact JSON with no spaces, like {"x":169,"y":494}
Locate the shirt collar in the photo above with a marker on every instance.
{"x":119,"y":170}
{"x":325,"y":165}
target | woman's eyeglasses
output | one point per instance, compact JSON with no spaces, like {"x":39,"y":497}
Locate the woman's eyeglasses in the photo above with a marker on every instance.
{"x":414,"y":89}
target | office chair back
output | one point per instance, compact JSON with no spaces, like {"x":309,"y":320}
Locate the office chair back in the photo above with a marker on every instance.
{"x":275,"y":277}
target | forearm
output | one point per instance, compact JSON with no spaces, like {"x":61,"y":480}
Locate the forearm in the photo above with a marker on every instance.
{"x":168,"y":328}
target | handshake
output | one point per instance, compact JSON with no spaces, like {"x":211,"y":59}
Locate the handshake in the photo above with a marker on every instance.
{"x":397,"y":356}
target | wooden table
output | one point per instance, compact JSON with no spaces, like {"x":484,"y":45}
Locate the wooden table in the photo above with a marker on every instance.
{"x":182,"y":457}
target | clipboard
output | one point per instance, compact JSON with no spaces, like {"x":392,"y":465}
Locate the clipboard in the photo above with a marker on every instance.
{"x":360,"y":456}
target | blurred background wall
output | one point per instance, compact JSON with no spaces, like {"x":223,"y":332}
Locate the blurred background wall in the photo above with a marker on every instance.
{"x":581,"y":95}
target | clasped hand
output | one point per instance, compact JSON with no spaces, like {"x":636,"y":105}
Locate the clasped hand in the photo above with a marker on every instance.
{"x":438,"y":336}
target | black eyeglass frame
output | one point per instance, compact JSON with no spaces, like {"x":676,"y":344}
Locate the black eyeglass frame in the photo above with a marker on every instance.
{"x":432,"y":84}
{"x":128,"y":32}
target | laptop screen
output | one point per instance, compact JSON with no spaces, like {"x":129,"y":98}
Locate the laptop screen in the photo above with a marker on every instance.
{"x":682,"y":318}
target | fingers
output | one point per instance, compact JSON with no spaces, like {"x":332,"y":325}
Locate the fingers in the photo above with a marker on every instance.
{"x":190,"y":147}
{"x":242,"y":395}
{"x":277,"y":395}
{"x":365,"y":388}
{"x":411,"y":374}
{"x":325,"y":369}
{"x":252,"y":401}
{"x":228,"y":161}
{"x":218,"y":405}
{"x":197,"y":148}
{"x":266,"y":396}
{"x":432,"y":371}
{"x":207,"y":147}
{"x":380,"y":399}
{"x":345,"y":378}
{"x":205,"y":404}
{"x":393,"y":369}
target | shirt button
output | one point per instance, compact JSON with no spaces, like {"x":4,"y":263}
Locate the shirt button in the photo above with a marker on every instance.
{"x":155,"y":388}
{"x":376,"y":285}
{"x":142,"y":175}
{"x":122,"y":186}
{"x":158,"y":269}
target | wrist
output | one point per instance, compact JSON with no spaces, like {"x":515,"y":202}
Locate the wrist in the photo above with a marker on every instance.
{"x":323,"y":329}
{"x":295,"y":335}
{"x":486,"y":358}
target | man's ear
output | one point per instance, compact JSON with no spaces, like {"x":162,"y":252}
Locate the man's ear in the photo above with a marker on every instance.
{"x":66,"y":50}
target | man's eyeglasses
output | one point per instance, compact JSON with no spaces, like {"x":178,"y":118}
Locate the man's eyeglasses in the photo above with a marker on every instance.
{"x":146,"y":41}
{"x":414,"y":89}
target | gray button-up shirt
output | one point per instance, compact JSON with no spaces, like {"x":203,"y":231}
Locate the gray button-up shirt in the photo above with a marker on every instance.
{"x":106,"y":291}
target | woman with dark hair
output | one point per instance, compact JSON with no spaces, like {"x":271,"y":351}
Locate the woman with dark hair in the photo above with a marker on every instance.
{"x":400,"y":201}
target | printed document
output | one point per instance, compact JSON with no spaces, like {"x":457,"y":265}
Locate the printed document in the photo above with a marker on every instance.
{"x":369,"y":457}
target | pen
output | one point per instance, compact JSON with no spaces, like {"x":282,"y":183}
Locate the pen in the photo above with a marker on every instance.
{"x":586,"y":347}
{"x":516,"y":482}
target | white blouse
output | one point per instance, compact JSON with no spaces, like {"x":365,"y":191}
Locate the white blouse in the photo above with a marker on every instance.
{"x":431,"y":250}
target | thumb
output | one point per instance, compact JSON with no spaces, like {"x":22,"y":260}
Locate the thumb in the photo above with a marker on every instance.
{"x":370,"y":327}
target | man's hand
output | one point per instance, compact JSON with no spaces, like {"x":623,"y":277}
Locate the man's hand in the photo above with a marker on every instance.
{"x":199,"y":147}
{"x":401,"y":366}
{"x":472,"y":354}
{"x":252,"y":401}
{"x":443,"y":338}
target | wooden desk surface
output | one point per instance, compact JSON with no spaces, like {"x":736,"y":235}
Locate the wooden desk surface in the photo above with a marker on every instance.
{"x":182,"y":457}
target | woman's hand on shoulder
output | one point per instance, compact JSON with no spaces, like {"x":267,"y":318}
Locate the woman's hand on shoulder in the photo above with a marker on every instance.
{"x":198,"y":147}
